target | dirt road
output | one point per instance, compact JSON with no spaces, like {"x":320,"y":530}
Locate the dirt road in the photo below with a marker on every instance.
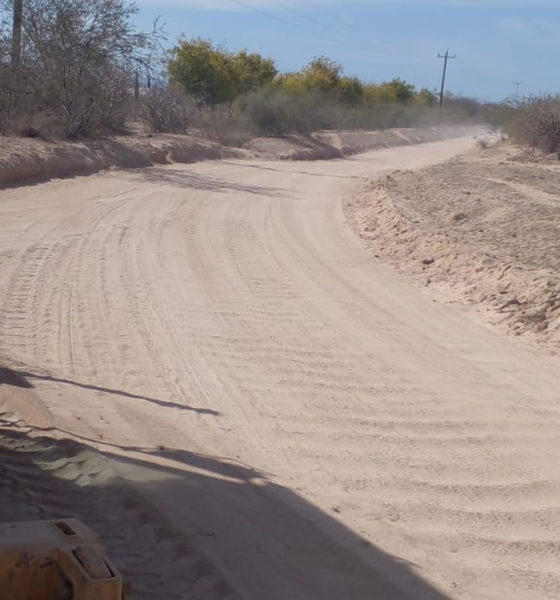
{"x":217,"y":338}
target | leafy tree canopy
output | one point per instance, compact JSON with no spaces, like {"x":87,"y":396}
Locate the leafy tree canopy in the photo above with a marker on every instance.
{"x":215,"y":75}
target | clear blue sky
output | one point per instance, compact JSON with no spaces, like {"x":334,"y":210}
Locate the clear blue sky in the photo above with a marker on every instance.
{"x":496,"y":42}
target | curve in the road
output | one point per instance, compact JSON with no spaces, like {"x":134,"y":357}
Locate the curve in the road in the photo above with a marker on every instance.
{"x":188,"y":320}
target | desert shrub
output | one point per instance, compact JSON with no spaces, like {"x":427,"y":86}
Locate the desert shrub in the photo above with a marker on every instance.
{"x":536,"y":122}
{"x":386,"y":115}
{"x":218,"y":124}
{"x":280,"y":111}
{"x":76,"y":65}
{"x":40,"y":124}
{"x":287,"y":106}
{"x":166,"y":110}
{"x":268,"y":112}
{"x":498,"y":115}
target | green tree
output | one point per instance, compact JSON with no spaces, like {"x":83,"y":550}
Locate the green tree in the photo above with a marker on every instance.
{"x":427,"y":97}
{"x":322,"y":73}
{"x":389,"y":92}
{"x":251,"y":71}
{"x":202,"y":70}
{"x":351,"y":90}
{"x":399,"y":90}
{"x":215,"y":75}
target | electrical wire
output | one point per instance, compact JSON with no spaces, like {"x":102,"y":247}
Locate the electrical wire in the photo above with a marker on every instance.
{"x":288,"y":22}
{"x":301,"y":15}
{"x":339,"y":22}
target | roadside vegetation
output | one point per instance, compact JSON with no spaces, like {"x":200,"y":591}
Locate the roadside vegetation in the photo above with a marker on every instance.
{"x":82,"y":70}
{"x":247,"y":95}
{"x":536,"y":122}
{"x":73,"y":73}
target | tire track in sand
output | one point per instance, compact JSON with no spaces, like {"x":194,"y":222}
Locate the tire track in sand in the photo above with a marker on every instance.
{"x":430,"y":436}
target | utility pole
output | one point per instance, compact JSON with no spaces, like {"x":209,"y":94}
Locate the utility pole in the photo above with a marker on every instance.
{"x":446,"y":57}
{"x":517,"y":84}
{"x":16,"y":32}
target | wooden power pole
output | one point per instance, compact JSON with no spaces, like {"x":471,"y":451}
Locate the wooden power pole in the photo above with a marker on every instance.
{"x":446,"y":57}
{"x":16,"y":32}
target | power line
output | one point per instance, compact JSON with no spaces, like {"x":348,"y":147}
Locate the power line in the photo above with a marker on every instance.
{"x":343,"y":38}
{"x":329,"y":14}
{"x":288,"y":22}
{"x":319,"y":8}
{"x":446,"y":57}
{"x":298,"y":13}
{"x":343,"y":27}
{"x":329,"y":27}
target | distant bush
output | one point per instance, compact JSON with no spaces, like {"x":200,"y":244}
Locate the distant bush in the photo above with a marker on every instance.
{"x":218,"y":124}
{"x":536,"y":122}
{"x":165,"y":109}
{"x":498,"y":115}
{"x":279,"y":111}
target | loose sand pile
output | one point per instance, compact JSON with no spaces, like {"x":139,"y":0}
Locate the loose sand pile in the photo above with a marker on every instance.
{"x":481,"y":228}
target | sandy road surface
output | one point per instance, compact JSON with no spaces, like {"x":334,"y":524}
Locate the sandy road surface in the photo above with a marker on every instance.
{"x":217,"y":336}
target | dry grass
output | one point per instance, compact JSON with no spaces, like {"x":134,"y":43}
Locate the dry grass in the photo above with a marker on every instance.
{"x":536,"y":122}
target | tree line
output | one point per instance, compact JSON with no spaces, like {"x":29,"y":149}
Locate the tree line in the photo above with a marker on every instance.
{"x":263,"y":101}
{"x":83,"y":69}
{"x":218,"y":76}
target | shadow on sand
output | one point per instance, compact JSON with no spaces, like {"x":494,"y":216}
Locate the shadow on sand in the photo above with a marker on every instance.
{"x":24,"y":379}
{"x":323,"y":174}
{"x":196,"y":181}
{"x":180,"y":524}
